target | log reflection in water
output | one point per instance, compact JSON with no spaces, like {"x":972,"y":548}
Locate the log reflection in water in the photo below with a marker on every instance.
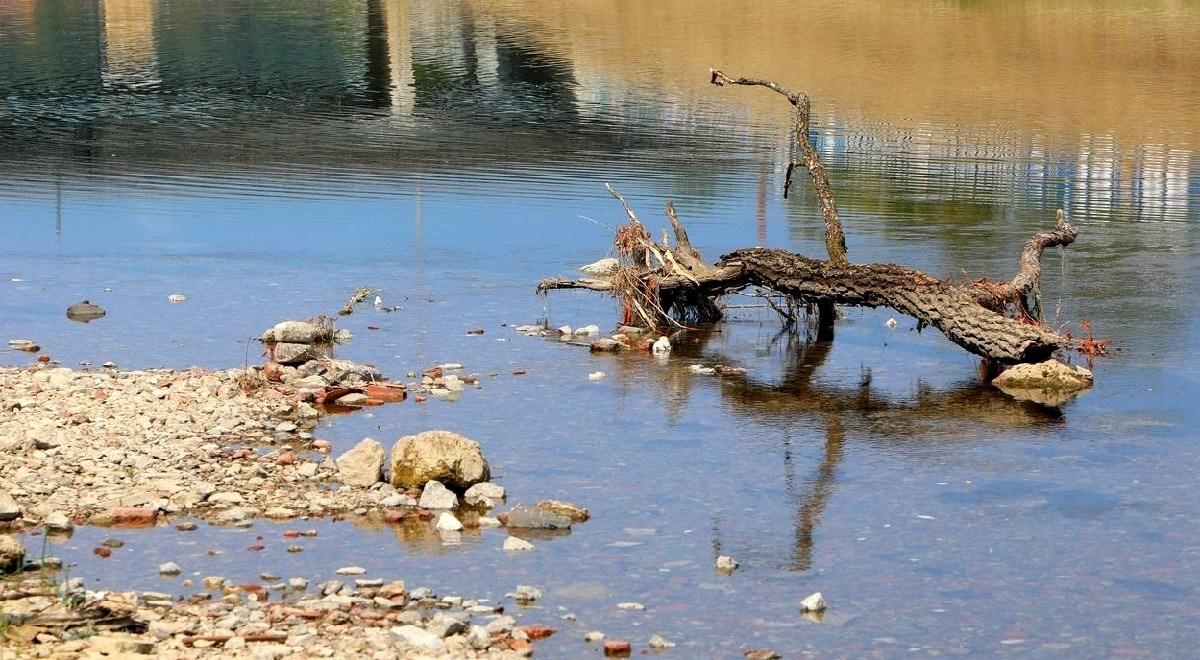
{"x":858,"y":412}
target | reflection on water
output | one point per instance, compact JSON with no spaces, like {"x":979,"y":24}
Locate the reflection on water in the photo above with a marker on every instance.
{"x":995,"y":105}
{"x":266,"y":157}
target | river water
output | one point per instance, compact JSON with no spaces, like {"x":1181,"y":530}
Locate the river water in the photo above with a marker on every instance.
{"x":266,"y":157}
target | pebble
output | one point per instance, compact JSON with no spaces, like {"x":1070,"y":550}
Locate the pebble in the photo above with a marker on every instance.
{"x":446,"y":522}
{"x":617,"y":649}
{"x":658,"y":642}
{"x":526,"y":594}
{"x":813,"y":603}
{"x":515,"y":544}
{"x":726,"y":565}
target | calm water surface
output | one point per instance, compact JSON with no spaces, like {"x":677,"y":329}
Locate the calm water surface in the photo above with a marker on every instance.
{"x":265,"y":158}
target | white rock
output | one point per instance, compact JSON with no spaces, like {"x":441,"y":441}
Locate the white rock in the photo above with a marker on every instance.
{"x":514,"y":544}
{"x":58,"y":522}
{"x":446,"y":522}
{"x":813,"y":603}
{"x":631,"y":606}
{"x":596,"y":375}
{"x":593,"y":636}
{"x":362,"y":465}
{"x":657,"y":642}
{"x":478,"y":638}
{"x":176,"y":297}
{"x":418,"y":638}
{"x":566,"y":330}
{"x":437,"y":496}
{"x":169,"y":568}
{"x":588,"y":330}
{"x":451,"y":366}
{"x":351,"y":570}
{"x":701,"y":369}
{"x":485,"y":494}
{"x":526,"y":593}
{"x":661,"y":347}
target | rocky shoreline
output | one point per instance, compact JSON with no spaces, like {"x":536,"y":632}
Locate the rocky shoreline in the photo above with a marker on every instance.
{"x":159,"y":447}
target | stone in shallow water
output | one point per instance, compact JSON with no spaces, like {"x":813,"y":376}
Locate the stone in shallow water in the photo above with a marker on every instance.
{"x":444,"y":456}
{"x":813,"y":603}
{"x":528,"y":517}
{"x":514,"y":544}
{"x":486,"y":494}
{"x":1049,"y":383}
{"x":437,"y":496}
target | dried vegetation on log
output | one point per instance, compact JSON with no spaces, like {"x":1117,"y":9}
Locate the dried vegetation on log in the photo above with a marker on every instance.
{"x":661,"y":285}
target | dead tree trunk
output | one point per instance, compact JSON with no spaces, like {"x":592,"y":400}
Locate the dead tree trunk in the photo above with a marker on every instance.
{"x":662,"y":285}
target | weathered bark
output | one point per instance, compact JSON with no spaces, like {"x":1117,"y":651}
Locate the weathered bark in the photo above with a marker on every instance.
{"x":997,"y":320}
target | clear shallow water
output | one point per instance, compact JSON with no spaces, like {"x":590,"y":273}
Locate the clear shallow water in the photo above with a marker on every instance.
{"x":445,"y":154}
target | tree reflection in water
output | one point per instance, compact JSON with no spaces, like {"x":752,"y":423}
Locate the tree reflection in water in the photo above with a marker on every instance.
{"x":860,"y":412}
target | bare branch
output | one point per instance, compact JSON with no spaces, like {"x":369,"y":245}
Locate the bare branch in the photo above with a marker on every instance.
{"x":835,"y":238}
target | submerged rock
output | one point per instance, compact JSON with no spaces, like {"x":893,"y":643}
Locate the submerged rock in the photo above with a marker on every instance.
{"x":442,"y":456}
{"x":573,"y":511}
{"x":528,"y":517}
{"x":85,"y":311}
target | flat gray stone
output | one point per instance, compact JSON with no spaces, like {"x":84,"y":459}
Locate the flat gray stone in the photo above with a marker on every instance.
{"x":528,"y":517}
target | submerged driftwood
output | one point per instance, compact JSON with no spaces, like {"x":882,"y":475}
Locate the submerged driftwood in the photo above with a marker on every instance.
{"x":661,"y":284}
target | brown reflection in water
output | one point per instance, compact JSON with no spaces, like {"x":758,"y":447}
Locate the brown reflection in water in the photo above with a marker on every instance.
{"x":857,"y":411}
{"x":1066,"y":66}
{"x":130,"y":59}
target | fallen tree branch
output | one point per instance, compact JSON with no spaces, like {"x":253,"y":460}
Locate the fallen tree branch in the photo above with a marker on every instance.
{"x":835,"y":239}
{"x":661,"y":285}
